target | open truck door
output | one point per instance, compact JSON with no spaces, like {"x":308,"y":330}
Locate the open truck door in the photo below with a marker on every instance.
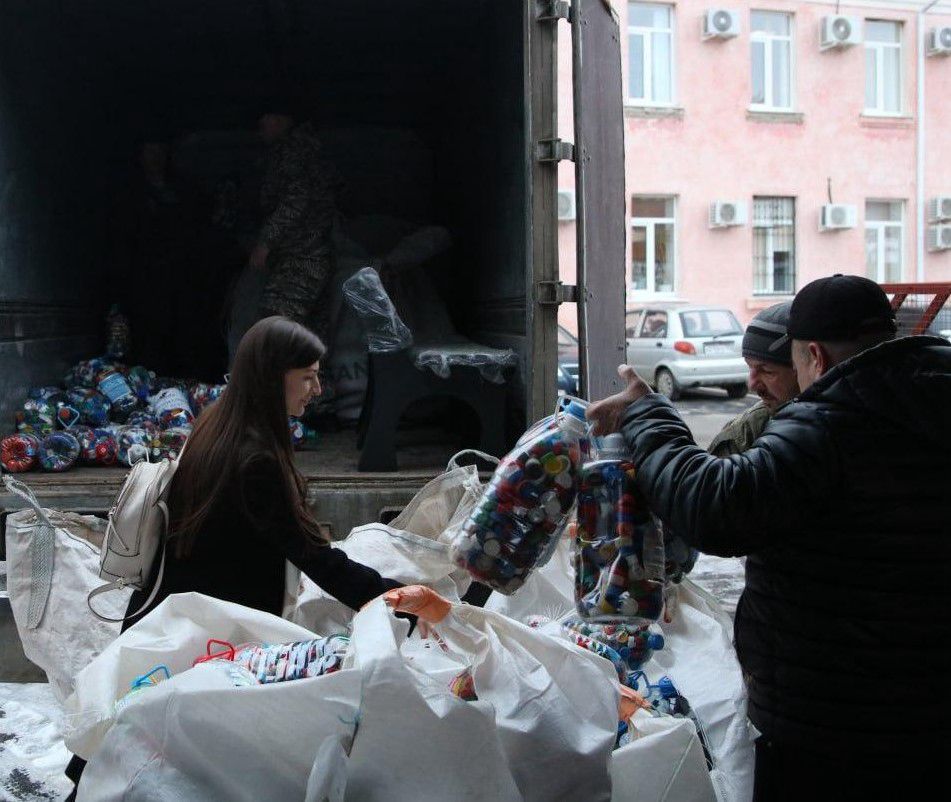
{"x":598,"y":154}
{"x":599,"y":186}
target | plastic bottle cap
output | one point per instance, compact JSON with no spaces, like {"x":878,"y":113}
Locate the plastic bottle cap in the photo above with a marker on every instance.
{"x":655,"y":642}
{"x":667,"y":689}
{"x":576,"y":410}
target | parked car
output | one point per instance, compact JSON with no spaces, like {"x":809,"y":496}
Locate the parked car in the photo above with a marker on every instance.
{"x":567,"y":362}
{"x":675,"y":347}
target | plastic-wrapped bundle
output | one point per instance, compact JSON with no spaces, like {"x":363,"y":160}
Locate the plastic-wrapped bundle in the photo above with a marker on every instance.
{"x":490,"y":362}
{"x":619,"y":547}
{"x":114,"y":385}
{"x":169,"y":444}
{"x":54,"y":395}
{"x":119,"y":337}
{"x":58,"y":452}
{"x":19,"y":452}
{"x":84,"y":374}
{"x":36,"y":416}
{"x":385,"y":331}
{"x":300,"y":432}
{"x":141,"y":380}
{"x":135,"y":445}
{"x":202,"y":395}
{"x":282,"y":662}
{"x":145,"y":419}
{"x":296,"y":428}
{"x":99,"y":446}
{"x":93,"y":406}
{"x":515,"y":525}
{"x":171,"y":407}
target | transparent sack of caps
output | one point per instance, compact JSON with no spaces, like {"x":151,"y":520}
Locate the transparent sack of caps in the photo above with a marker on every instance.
{"x":619,"y":545}
{"x":515,"y":526}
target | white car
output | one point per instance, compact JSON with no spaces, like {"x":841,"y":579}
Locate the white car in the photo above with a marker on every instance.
{"x":676,"y":347}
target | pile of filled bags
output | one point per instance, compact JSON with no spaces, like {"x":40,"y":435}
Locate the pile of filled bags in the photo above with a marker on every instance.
{"x":601,"y":673}
{"x":108,"y":414}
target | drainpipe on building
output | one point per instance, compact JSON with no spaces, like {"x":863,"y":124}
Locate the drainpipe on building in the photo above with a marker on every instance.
{"x":922,"y":34}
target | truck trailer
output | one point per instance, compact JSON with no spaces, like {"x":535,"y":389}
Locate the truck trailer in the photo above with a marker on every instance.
{"x":443,"y":112}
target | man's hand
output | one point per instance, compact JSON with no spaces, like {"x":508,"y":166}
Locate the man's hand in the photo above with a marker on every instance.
{"x":606,"y":415}
{"x":258,"y":257}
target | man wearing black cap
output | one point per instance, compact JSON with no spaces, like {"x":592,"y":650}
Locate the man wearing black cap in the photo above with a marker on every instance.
{"x":843,"y":510}
{"x":772,"y":378}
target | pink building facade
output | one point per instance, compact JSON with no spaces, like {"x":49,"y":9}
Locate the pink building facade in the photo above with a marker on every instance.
{"x":773,"y":126}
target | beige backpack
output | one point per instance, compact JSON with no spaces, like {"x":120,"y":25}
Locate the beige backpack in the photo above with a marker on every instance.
{"x":136,"y":532}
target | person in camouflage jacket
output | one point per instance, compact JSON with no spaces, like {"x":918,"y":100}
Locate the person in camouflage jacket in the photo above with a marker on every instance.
{"x":298,"y":203}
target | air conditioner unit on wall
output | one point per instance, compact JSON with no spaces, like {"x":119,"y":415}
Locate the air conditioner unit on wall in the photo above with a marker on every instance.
{"x":727,"y":213}
{"x":566,"y":204}
{"x":720,"y":23}
{"x":836,"y":216}
{"x":838,"y":31}
{"x":939,"y":209}
{"x":939,"y":41}
{"x":939,"y":238}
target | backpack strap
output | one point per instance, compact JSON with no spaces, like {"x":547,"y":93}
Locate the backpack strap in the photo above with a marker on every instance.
{"x":120,"y":583}
{"x":42,"y":550}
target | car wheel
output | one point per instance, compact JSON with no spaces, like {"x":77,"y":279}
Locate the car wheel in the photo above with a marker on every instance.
{"x":737,"y":390}
{"x":666,"y":385}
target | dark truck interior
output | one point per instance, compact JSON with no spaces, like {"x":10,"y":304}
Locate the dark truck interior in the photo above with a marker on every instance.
{"x":419,"y":104}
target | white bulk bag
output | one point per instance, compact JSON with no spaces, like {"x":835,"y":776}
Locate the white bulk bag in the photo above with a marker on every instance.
{"x":52,"y":565}
{"x":174,"y":634}
{"x":543,"y":726}
{"x":412,"y":549}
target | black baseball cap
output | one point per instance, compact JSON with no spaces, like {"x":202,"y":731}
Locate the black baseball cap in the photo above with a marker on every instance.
{"x":836,"y":309}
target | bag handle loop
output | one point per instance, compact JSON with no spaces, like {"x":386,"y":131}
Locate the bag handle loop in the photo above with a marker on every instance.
{"x":454,"y":459}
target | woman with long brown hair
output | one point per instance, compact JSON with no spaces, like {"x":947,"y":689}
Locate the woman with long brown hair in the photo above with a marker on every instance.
{"x":237,"y":504}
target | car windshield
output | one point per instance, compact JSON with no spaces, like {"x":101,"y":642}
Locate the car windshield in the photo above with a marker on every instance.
{"x":709,"y":323}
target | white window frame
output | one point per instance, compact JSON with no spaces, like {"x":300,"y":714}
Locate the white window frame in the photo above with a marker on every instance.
{"x":767,"y":39}
{"x":879,"y":226}
{"x":880,"y":47}
{"x":650,"y":224}
{"x":645,"y":34}
{"x":770,"y":234}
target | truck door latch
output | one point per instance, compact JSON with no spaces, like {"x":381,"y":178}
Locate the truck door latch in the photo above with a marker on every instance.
{"x":553,"y":293}
{"x":554,"y":150}
{"x":554,"y":10}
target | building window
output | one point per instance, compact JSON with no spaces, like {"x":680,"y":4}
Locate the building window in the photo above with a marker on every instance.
{"x":652,"y":245}
{"x":771,"y":38}
{"x":884,"y":240}
{"x":882,"y":67}
{"x":774,"y":246}
{"x":650,"y":54}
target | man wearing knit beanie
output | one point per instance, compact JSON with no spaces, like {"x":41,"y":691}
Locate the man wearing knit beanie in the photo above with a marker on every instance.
{"x":772,"y":378}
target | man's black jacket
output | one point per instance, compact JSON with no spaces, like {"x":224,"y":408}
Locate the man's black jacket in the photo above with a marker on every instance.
{"x":843,"y":507}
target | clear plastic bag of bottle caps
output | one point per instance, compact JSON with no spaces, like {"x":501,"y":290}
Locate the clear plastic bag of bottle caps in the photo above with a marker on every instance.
{"x":515,"y":526}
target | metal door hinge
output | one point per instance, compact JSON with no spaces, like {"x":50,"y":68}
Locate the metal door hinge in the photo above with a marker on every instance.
{"x":554,"y":10}
{"x":553,"y":293}
{"x":554,"y":150}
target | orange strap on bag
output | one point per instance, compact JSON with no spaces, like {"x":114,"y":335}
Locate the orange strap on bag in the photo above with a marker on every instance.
{"x":631,"y":701}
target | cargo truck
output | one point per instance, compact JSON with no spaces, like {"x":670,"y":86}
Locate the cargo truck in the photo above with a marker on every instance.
{"x":472,"y":85}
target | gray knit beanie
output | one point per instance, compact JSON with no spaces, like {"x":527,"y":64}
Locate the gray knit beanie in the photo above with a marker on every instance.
{"x":767,"y":327}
